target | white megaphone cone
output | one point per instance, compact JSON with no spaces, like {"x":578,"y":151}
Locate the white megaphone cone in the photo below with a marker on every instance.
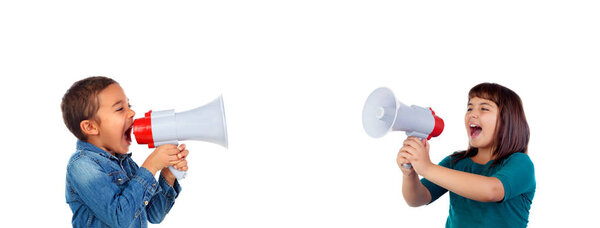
{"x":206,"y":123}
{"x":382,"y":113}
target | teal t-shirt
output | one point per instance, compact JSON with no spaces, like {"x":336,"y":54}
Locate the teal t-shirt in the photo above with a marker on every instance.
{"x":516,"y":174}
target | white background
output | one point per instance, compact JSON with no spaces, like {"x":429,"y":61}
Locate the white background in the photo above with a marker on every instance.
{"x":294,"y":76}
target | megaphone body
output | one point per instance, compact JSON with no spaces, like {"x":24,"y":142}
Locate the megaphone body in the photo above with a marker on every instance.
{"x":206,"y":123}
{"x":383,"y":113}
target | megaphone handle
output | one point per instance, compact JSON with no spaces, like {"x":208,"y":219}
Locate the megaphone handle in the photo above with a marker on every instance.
{"x":408,"y":165}
{"x":178,"y":174}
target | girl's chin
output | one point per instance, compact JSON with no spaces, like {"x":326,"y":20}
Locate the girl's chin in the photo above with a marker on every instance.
{"x":477,"y":144}
{"x":473,"y":142}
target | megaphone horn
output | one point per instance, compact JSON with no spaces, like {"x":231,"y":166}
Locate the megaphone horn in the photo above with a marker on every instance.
{"x":382,"y":113}
{"x":206,"y":123}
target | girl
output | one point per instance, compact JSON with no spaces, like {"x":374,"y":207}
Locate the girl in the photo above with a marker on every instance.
{"x":492,"y":183}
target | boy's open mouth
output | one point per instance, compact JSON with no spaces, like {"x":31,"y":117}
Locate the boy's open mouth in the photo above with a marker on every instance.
{"x":475,"y":130}
{"x":128,"y":134}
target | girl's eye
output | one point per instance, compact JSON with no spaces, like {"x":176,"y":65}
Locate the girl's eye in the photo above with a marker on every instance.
{"x":469,"y":109}
{"x":120,"y":109}
{"x":484,"y":109}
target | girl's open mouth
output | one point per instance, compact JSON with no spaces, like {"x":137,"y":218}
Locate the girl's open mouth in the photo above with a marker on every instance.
{"x":475,"y":130}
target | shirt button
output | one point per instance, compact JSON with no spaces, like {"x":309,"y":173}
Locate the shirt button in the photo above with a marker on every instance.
{"x":153,"y":185}
{"x":119,"y":180}
{"x":146,"y":203}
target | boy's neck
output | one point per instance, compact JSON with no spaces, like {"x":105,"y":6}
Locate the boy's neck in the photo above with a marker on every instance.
{"x":96,"y":142}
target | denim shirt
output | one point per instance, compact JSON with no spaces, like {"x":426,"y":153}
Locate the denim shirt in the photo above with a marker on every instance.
{"x":104,"y":190}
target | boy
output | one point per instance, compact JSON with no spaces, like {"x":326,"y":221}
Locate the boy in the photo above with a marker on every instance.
{"x":105,"y":187}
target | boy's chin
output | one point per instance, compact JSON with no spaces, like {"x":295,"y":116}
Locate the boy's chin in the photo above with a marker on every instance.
{"x":123,"y":150}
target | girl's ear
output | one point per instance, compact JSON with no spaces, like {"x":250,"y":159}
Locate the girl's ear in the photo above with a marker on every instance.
{"x":89,"y":127}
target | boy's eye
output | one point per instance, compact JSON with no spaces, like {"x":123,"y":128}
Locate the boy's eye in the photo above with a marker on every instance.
{"x":469,"y":109}
{"x":120,"y":109}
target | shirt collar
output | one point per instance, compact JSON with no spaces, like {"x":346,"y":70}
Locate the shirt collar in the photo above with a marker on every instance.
{"x":81,"y":145}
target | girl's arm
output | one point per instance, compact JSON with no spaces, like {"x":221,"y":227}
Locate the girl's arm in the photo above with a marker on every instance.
{"x":468,"y":185}
{"x":472,"y":186}
{"x":414,"y":192}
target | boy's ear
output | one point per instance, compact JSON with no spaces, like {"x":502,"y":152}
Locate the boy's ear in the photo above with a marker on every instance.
{"x":89,"y":127}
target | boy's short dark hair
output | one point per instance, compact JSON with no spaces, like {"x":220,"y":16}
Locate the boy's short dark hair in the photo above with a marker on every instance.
{"x":81,"y":102}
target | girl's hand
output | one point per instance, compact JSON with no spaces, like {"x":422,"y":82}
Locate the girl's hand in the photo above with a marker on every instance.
{"x":402,"y":160}
{"x":417,"y":153}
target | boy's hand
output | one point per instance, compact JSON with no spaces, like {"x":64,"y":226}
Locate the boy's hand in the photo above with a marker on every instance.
{"x":162,"y":157}
{"x":181,"y":165}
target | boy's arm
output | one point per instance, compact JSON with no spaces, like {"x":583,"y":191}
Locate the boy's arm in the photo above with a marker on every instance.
{"x":104,"y":197}
{"x":169,"y":189}
{"x":164,"y":199}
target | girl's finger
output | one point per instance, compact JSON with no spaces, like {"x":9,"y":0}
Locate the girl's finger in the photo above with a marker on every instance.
{"x":407,"y":149}
{"x":405,"y":155}
{"x":415,"y":143}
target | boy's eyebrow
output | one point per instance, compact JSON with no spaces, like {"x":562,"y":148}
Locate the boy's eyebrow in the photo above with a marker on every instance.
{"x":116,"y":103}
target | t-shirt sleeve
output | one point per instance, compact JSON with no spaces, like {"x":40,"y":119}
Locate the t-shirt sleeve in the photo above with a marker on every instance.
{"x":435,"y":190}
{"x":517,"y":175}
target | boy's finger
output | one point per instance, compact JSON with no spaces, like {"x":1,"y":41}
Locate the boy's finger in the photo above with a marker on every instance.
{"x":183,"y":154}
{"x":181,"y":147}
{"x":181,"y":165}
{"x":173,"y":162}
{"x":173,"y":159}
{"x":172,"y":151}
{"x":168,"y":146}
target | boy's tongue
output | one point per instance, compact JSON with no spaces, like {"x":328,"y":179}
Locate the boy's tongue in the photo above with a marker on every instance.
{"x":475,"y":131}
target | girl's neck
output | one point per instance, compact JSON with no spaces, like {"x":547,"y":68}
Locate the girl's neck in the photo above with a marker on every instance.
{"x":483,"y":155}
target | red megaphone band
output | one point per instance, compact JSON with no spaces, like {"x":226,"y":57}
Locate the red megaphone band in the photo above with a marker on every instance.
{"x":438,"y":127}
{"x":142,"y":129}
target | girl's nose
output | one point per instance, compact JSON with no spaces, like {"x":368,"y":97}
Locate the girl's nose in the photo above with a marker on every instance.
{"x":474,"y":115}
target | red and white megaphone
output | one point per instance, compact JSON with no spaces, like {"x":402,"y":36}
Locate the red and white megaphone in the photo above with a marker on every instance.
{"x":382,"y":113}
{"x":206,"y":123}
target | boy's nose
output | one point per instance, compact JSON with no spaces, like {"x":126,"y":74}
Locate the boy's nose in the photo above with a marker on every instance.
{"x":131,"y":113}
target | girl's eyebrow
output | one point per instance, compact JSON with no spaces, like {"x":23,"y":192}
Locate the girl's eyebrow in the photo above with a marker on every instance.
{"x":482,"y":103}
